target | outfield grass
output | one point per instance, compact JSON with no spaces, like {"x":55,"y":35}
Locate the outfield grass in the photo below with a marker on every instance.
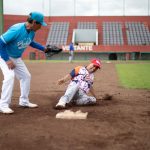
{"x":134,"y":75}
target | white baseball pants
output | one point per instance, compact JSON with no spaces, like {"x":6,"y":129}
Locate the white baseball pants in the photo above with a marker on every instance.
{"x":76,"y":95}
{"x":71,"y":55}
{"x":22,"y":74}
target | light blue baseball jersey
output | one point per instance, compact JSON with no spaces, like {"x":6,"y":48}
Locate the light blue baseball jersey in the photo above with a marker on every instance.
{"x":17,"y":39}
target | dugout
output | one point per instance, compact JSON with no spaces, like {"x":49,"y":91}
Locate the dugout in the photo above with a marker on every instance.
{"x":112,"y":56}
{"x":145,"y":56}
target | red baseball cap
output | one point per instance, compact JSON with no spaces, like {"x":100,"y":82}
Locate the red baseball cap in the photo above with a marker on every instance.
{"x":96,"y":62}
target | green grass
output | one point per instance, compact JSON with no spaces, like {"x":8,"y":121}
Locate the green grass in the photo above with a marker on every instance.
{"x":134,"y":75}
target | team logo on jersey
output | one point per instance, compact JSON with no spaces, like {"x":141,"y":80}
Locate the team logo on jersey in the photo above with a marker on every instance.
{"x":24,"y":43}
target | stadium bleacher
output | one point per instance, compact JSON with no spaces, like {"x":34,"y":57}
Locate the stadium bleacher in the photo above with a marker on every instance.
{"x":124,"y":35}
{"x":112,"y":33}
{"x":86,"y":25}
{"x":58,"y":33}
{"x":137,"y":33}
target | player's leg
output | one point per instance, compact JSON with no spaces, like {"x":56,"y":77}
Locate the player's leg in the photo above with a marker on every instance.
{"x":70,"y":56}
{"x":7,"y":87}
{"x":84,"y":99}
{"x":24,"y":77}
{"x":69,"y":94}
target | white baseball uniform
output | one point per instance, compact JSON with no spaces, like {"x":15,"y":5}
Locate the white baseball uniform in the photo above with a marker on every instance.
{"x":78,"y":88}
{"x":22,"y":74}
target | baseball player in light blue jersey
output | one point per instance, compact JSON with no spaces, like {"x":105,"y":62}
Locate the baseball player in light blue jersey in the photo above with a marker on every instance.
{"x":12,"y":45}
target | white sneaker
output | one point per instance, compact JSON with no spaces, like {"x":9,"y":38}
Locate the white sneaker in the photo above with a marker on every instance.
{"x":60,"y":105}
{"x":6,"y":110}
{"x":29,"y":105}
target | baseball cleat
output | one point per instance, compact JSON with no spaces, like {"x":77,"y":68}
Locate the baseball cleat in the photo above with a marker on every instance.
{"x":6,"y":110}
{"x":29,"y":105}
{"x":60,"y":105}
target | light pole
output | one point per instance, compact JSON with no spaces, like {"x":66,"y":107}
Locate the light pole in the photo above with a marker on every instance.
{"x":43,"y":6}
{"x":50,"y":7}
{"x":123,"y":7}
{"x":98,"y":8}
{"x":1,"y":17}
{"x":74,"y":7}
{"x":148,"y":8}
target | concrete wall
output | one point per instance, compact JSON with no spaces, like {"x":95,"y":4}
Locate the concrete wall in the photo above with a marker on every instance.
{"x":86,"y":56}
{"x":103,"y":56}
{"x":80,"y":56}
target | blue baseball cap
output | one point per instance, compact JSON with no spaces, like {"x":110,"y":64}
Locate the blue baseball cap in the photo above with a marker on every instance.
{"x":39,"y":17}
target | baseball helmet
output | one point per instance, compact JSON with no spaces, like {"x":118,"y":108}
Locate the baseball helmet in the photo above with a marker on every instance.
{"x":96,"y":62}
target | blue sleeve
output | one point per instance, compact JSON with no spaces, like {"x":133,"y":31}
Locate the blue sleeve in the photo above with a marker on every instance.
{"x":72,"y":73}
{"x":3,"y":51}
{"x":10,"y":34}
{"x":37,"y":46}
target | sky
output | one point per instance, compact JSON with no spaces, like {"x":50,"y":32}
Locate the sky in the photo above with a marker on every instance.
{"x":78,"y":7}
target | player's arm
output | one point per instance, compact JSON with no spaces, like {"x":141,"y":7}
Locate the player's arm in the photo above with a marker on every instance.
{"x":3,"y":51}
{"x":4,"y":55}
{"x":37,"y":46}
{"x":64,"y":79}
{"x":92,"y":91}
{"x":10,"y":35}
{"x":69,"y":76}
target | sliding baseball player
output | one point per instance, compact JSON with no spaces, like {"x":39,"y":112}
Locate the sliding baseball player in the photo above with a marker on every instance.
{"x":81,"y":83}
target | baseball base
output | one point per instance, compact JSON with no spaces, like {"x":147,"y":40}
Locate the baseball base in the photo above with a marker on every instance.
{"x":68,"y":114}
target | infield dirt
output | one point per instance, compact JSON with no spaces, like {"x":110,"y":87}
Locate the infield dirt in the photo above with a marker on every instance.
{"x":122,"y":123}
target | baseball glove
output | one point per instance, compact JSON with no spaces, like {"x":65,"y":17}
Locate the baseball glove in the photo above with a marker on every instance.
{"x":52,"y":50}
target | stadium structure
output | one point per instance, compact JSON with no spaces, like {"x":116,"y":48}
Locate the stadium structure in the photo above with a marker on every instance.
{"x":107,"y":37}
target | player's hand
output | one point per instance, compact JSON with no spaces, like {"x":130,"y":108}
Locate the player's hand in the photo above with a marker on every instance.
{"x":64,"y":79}
{"x":10,"y":64}
{"x":46,"y":50}
{"x":61,"y":81}
{"x":99,"y":99}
